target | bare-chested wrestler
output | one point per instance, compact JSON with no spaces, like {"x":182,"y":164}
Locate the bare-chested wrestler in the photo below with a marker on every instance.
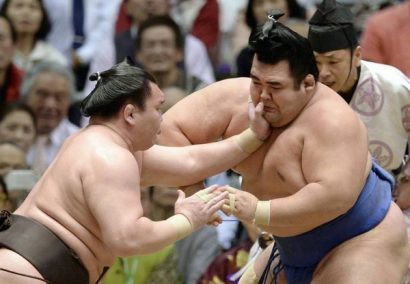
{"x":313,"y":184}
{"x":86,"y":209}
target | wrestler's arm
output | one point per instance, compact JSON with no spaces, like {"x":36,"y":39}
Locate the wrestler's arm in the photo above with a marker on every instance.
{"x":334,"y":160}
{"x":178,"y":166}
{"x":207,"y":115}
{"x":112,"y":193}
{"x":333,"y":163}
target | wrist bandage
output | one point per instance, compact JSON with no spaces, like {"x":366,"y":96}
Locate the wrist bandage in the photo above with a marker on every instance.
{"x":231,"y":209}
{"x":262,"y":213}
{"x":182,"y":225}
{"x":248,"y":141}
{"x":204,"y":195}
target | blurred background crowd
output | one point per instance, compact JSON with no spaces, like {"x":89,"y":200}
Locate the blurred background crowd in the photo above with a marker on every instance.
{"x":48,"y":48}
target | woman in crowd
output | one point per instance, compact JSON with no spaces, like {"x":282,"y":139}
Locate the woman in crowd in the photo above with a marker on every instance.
{"x":32,"y":25}
{"x":18,"y":124}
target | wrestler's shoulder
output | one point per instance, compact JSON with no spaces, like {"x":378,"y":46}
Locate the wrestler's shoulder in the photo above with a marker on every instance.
{"x":231,"y":87}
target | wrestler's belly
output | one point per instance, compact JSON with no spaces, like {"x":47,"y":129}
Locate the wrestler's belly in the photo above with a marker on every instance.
{"x":14,"y":262}
{"x":387,"y":242}
{"x":87,"y":248}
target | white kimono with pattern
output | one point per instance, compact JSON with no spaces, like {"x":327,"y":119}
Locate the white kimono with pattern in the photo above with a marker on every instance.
{"x":382,"y":100}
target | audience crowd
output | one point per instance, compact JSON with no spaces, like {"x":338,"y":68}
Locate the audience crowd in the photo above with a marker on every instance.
{"x":48,"y":49}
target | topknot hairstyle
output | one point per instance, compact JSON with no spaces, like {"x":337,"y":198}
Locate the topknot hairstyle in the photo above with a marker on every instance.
{"x":116,"y":86}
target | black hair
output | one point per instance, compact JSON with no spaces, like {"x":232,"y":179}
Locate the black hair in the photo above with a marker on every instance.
{"x":273,"y":42}
{"x":116,"y":86}
{"x":45,"y":25}
{"x":295,"y":11}
{"x":13,"y":32}
{"x":160,"y":21}
{"x":11,"y":107}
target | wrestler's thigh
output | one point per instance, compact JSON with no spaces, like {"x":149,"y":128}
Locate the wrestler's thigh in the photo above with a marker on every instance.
{"x":12,"y":261}
{"x":380,"y":256}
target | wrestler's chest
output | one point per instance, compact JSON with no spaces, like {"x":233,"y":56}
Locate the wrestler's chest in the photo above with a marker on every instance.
{"x":274,"y":170}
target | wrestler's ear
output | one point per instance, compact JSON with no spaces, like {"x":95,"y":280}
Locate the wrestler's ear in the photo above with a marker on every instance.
{"x":129,"y":113}
{"x":309,"y":83}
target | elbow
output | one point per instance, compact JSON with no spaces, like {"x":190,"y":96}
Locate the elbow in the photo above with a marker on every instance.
{"x":191,"y":172}
{"x":344,"y":203}
{"x":124,"y":246}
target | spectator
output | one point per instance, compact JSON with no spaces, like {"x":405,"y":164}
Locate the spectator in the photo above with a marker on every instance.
{"x":294,"y":18}
{"x":31,"y":23}
{"x":18,"y":124}
{"x":386,"y":37}
{"x":223,"y":267}
{"x":196,"y":60}
{"x":10,"y":75}
{"x":201,"y":19}
{"x":12,"y":157}
{"x":85,"y":37}
{"x":47,"y":89}
{"x":159,"y":48}
{"x":124,"y":41}
{"x":19,"y":179}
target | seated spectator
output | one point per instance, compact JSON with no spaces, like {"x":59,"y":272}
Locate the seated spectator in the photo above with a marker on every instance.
{"x":124,"y":41}
{"x":12,"y":157}
{"x":256,"y":13}
{"x":48,"y":89}
{"x":196,"y":60}
{"x":18,"y":124}
{"x":224,"y":266}
{"x":386,"y":37}
{"x":10,"y":75}
{"x":84,"y":32}
{"x":159,"y":49}
{"x":196,"y":57}
{"x":201,"y":19}
{"x":31,"y":23}
{"x":14,"y":169}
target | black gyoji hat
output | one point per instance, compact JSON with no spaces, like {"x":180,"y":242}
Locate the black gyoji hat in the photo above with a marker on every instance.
{"x":332,"y":27}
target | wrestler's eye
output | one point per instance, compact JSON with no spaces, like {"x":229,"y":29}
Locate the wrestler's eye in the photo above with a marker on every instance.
{"x":256,"y":83}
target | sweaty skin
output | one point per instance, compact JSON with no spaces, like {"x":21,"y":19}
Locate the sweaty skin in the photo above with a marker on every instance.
{"x":90,"y":194}
{"x":312,"y":167}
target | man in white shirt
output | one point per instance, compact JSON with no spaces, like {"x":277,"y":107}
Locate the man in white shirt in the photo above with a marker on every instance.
{"x":48,"y":89}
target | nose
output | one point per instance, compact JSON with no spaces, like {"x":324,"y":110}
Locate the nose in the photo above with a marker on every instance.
{"x":19,"y":133}
{"x":265,"y":95}
{"x":324,"y":71}
{"x":50,"y":102}
{"x":157,"y":48}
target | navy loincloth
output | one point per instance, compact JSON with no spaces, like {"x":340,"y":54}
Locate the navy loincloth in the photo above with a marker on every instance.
{"x":299,"y":255}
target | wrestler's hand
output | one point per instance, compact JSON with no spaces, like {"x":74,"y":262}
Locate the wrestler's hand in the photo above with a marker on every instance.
{"x":244,"y":204}
{"x":257,"y":123}
{"x":200,"y":211}
{"x":402,"y":195}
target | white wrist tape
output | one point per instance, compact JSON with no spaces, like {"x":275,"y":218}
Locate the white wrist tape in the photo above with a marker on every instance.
{"x":182,"y":225}
{"x":262,"y":213}
{"x":248,"y":141}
